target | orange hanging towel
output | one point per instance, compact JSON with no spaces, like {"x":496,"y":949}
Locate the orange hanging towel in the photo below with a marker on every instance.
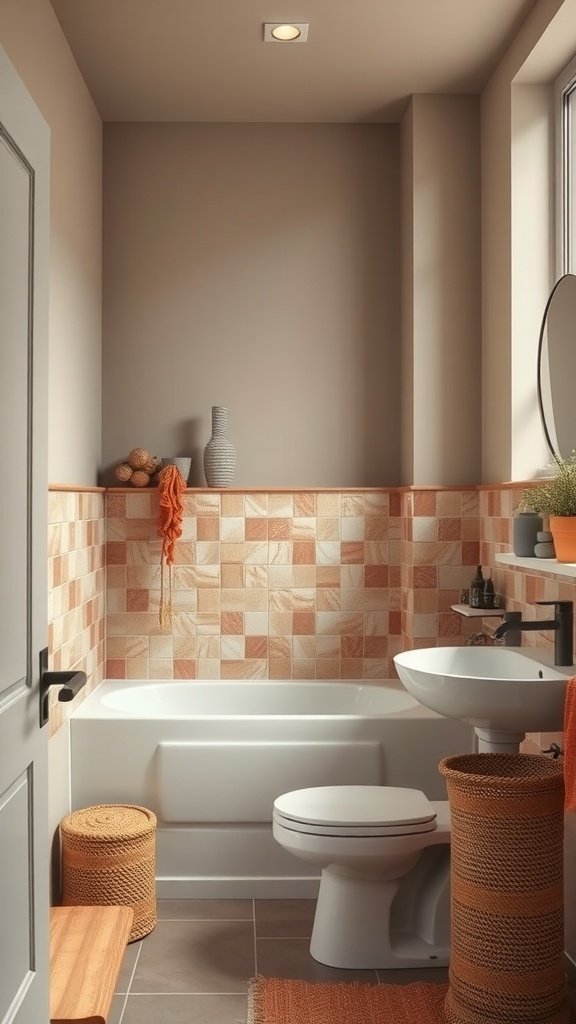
{"x":570,"y":745}
{"x":170,"y":512}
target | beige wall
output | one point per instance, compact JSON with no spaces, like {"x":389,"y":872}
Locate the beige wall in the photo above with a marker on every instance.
{"x":255,"y":267}
{"x":442,"y":291}
{"x":32,"y":38}
{"x":509,"y":429}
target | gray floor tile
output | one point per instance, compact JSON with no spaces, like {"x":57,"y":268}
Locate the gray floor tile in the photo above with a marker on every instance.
{"x":290,"y":958}
{"x":196,"y":956}
{"x":195,"y":910}
{"x":116,"y":1010}
{"x":409,"y":975}
{"x":127,"y":966}
{"x":167,"y":1009}
{"x":284,"y":918}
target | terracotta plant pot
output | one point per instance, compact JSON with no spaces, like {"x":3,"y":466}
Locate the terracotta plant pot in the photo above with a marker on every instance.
{"x":563,"y":530}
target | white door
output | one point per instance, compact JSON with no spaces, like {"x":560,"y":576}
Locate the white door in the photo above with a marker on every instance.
{"x":24,"y":174}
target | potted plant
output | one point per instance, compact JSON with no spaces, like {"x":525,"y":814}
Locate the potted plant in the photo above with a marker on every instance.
{"x":556,"y":498}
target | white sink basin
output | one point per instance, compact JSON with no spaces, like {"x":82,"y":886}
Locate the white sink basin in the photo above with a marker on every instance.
{"x":493,"y":688}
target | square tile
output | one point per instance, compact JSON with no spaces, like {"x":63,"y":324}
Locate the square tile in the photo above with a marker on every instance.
{"x":183,"y":1009}
{"x":290,"y":958}
{"x":130,"y":958}
{"x":284,"y":918}
{"x":196,"y":956}
{"x":203,"y":910}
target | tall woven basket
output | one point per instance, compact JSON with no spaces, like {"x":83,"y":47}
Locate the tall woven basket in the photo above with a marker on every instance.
{"x":108,"y":858}
{"x":507,"y":890}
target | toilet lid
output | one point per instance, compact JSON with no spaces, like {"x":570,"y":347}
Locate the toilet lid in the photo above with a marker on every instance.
{"x":386,"y":809}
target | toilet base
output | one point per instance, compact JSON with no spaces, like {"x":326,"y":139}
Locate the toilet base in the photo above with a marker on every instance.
{"x":373,"y":923}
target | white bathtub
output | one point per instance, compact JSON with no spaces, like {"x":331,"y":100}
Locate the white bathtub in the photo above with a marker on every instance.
{"x":209,"y":758}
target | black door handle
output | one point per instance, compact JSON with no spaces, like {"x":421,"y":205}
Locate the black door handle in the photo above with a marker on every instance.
{"x":69,"y":682}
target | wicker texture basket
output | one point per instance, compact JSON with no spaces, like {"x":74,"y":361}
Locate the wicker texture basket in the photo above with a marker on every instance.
{"x":108,"y":858}
{"x":507,"y":815}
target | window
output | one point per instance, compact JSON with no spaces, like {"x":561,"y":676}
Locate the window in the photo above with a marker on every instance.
{"x":566,"y":170}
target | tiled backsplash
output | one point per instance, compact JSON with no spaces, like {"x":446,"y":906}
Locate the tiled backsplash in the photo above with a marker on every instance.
{"x":314,"y":584}
{"x":76,"y":589}
{"x":317,"y":585}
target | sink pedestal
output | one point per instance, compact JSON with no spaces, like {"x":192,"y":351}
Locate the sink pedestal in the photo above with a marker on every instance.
{"x":491,"y":741}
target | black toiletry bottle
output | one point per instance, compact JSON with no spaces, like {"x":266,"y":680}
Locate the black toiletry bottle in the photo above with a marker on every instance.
{"x":489,"y":596}
{"x":476,"y":599}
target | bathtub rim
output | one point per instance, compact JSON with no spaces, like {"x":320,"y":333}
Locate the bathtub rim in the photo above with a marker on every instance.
{"x":93,"y":708}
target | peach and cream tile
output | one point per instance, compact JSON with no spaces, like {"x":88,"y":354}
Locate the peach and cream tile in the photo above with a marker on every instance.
{"x":327,"y":529}
{"x":256,"y":529}
{"x":207,"y":648}
{"x":329,"y":505}
{"x":247,"y":668}
{"x":304,"y":504}
{"x":329,"y":599}
{"x":352,"y":504}
{"x":205,"y":600}
{"x":256,"y":576}
{"x":209,"y":668}
{"x":256,"y":600}
{"x":255,"y":505}
{"x":256,"y":623}
{"x":280,"y":506}
{"x":232,"y":529}
{"x":232,"y":506}
{"x":279,"y":552}
{"x":206,"y":552}
{"x":305,"y":647}
{"x":256,"y":647}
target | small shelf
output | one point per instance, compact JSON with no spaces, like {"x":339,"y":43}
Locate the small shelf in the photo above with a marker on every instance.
{"x":476,"y":613}
{"x":538,"y":564}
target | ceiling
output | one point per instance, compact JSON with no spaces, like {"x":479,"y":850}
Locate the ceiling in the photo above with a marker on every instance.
{"x":205,"y":61}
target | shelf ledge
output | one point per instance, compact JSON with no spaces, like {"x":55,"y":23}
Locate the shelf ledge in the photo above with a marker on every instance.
{"x":476,"y":613}
{"x":550,"y":565}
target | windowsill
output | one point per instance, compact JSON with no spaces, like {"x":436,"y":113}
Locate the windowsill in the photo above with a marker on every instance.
{"x":549,"y":565}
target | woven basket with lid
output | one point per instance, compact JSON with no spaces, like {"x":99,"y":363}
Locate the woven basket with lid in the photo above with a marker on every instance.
{"x":108,"y":859}
{"x":507,"y":959}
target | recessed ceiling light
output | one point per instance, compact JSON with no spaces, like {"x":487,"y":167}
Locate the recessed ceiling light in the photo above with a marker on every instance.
{"x":285,"y":32}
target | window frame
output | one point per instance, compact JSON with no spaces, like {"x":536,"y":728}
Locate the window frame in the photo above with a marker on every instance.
{"x":565,"y":110}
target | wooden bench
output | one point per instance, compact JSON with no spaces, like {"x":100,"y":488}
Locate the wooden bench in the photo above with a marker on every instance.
{"x":87,"y":945}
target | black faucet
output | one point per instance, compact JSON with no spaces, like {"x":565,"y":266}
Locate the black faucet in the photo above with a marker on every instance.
{"x":562,"y":623}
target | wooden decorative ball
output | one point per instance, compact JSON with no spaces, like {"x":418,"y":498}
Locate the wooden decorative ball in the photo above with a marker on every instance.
{"x":123,"y":472}
{"x":139,"y":458}
{"x":139,"y":478}
{"x":152,"y":465}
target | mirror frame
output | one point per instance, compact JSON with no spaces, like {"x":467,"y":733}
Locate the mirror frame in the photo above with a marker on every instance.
{"x":556,"y":455}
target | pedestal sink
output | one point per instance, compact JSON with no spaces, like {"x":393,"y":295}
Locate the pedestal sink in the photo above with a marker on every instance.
{"x":503,"y":692}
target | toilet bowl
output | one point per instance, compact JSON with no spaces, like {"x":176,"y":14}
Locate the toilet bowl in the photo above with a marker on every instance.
{"x":384,"y":899}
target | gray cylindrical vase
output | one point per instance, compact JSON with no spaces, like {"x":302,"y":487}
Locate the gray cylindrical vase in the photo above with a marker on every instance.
{"x":219,"y":453}
{"x":525,"y":527}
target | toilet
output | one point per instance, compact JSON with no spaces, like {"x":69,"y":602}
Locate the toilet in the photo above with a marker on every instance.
{"x":384,"y":899}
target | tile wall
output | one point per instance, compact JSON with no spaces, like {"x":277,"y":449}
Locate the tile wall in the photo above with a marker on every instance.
{"x":76,"y":590}
{"x":316,"y":585}
{"x":279,"y":585}
{"x":519,"y":587}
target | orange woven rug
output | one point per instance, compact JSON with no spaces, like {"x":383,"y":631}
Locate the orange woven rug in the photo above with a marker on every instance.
{"x":284,"y":1001}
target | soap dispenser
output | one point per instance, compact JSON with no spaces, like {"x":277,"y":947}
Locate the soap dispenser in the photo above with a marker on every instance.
{"x":489,"y":595}
{"x":476,"y":599}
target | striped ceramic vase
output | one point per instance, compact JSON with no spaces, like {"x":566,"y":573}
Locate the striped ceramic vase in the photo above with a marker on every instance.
{"x":219,"y":453}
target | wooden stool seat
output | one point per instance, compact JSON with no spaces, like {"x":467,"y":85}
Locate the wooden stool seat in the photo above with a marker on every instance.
{"x":87,"y":945}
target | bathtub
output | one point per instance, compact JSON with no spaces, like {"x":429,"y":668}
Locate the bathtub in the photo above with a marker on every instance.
{"x":209,"y":758}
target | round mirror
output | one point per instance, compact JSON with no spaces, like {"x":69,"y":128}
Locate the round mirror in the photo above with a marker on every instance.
{"x":557,"y":368}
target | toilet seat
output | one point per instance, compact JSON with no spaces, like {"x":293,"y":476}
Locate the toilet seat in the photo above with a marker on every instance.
{"x":355,"y":811}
